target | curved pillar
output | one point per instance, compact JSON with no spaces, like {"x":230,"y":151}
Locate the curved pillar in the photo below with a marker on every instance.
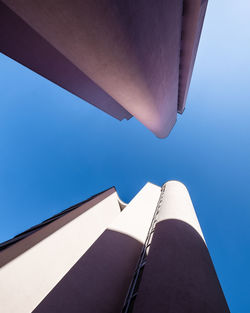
{"x":179,"y":275}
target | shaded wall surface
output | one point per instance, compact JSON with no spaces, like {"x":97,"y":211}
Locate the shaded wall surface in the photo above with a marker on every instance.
{"x":32,"y":266}
{"x":99,"y":281}
{"x":89,"y":259}
{"x":22,"y":43}
{"x":179,"y":276}
{"x":126,"y":57}
{"x":82,"y":254}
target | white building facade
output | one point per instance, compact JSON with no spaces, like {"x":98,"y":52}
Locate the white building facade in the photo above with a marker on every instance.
{"x":103,"y":255}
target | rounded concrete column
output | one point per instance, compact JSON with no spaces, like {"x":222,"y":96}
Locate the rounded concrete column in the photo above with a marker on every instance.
{"x":179,"y":275}
{"x":177,"y":204}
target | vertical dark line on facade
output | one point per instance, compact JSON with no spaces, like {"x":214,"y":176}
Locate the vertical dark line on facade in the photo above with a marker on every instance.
{"x":135,"y":283}
{"x":180,"y":58}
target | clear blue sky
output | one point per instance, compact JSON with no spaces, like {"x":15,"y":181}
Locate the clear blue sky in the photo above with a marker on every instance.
{"x":57,"y":150}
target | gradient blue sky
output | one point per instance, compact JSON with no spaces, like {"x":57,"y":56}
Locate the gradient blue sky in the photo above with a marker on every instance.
{"x":57,"y":150}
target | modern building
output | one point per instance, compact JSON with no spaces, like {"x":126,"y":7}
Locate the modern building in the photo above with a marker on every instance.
{"x":105,"y":256}
{"x":128,"y":58}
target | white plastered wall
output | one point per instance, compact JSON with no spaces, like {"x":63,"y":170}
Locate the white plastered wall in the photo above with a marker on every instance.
{"x":136,"y":218}
{"x":28,"y":278}
{"x":177,"y":204}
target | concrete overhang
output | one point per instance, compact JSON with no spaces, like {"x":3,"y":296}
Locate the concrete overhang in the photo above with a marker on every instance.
{"x":128,"y":58}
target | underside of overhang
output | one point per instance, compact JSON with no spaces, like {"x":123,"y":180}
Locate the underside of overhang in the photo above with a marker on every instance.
{"x":128,"y":58}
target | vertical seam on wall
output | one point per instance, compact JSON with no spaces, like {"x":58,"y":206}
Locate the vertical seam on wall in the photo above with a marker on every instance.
{"x":134,"y":285}
{"x":180,"y":60}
